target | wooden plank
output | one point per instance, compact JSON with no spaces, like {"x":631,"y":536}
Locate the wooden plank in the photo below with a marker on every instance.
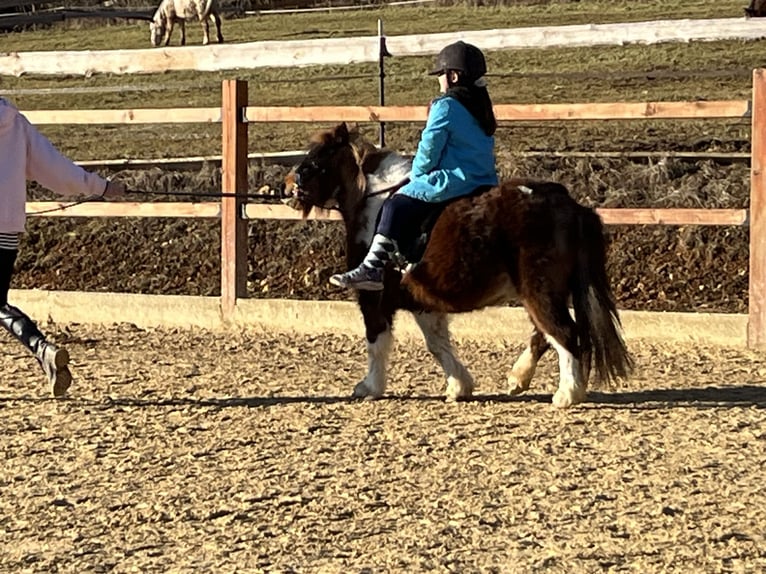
{"x":336,"y":113}
{"x":9,"y":21}
{"x":123,"y":209}
{"x":269,"y":211}
{"x":624,"y":110}
{"x":585,"y":35}
{"x":514,"y":112}
{"x":371,"y":6}
{"x":135,"y":116}
{"x":344,"y":51}
{"x":609,"y":216}
{"x":756,"y":324}
{"x":716,"y":156}
{"x":635,"y":216}
{"x":507,"y":112}
{"x":292,"y":157}
{"x":196,"y":162}
{"x":233,"y":181}
{"x":632,"y":216}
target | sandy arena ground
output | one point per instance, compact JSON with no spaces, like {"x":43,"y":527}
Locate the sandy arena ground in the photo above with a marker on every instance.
{"x":192,"y":451}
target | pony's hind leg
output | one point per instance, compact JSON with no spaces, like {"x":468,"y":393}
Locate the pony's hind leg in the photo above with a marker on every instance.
{"x":217,"y":21}
{"x":435,"y":329}
{"x":554,"y":321}
{"x":524,"y":368}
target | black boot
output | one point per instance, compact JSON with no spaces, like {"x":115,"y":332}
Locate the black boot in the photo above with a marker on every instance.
{"x":53,"y":360}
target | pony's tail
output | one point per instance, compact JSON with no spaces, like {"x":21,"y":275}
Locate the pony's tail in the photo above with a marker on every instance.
{"x":598,"y":323}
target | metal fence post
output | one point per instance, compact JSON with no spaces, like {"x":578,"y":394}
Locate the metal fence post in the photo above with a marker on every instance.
{"x":383,"y":53}
{"x":233,"y":180}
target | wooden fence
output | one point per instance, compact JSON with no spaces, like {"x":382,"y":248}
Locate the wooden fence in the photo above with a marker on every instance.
{"x":234,"y":212}
{"x":360,"y":49}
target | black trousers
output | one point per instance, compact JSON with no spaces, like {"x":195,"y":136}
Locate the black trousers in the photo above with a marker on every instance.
{"x":401,"y":218}
{"x":7,"y":260}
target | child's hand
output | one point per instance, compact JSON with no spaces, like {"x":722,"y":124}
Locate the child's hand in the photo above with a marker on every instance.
{"x":114,"y":189}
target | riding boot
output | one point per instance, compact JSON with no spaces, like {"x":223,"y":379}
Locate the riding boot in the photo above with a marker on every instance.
{"x":53,"y":360}
{"x":368,"y":276}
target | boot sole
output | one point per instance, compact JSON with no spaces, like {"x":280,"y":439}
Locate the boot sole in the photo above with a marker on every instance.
{"x":361,"y":286}
{"x":63,"y":379}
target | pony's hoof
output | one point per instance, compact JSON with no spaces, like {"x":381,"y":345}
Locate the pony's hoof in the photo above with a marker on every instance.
{"x":563,"y":400}
{"x":457,"y":391}
{"x":516,"y":386}
{"x":362,"y":392}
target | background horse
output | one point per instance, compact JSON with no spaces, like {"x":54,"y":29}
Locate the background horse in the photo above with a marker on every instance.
{"x":170,"y":12}
{"x":523,"y":240}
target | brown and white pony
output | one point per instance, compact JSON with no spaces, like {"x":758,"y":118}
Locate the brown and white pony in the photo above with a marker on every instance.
{"x":523,"y":240}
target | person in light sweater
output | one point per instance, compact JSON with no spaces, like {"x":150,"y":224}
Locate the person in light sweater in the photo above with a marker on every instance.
{"x":25,"y":154}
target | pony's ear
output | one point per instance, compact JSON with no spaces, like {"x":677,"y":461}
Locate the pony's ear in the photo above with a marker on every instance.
{"x":341,"y":133}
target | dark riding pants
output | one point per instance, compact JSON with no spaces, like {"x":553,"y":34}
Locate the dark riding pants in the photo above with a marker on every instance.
{"x":402,"y":216}
{"x":7,"y":260}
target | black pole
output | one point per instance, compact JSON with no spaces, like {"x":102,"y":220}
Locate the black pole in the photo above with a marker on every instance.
{"x":382,"y":54}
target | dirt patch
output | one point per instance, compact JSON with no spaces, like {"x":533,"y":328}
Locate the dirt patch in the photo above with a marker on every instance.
{"x":187,"y":451}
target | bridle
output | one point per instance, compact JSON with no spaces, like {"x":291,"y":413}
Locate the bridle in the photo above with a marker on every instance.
{"x":316,"y":170}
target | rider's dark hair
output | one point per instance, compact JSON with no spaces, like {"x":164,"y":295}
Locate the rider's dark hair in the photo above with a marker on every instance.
{"x":476,"y":100}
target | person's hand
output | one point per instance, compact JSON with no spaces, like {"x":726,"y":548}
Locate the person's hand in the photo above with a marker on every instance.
{"x":114,"y":189}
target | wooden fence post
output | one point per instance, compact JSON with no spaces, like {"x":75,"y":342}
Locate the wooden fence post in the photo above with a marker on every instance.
{"x":756,"y":324}
{"x":233,"y":180}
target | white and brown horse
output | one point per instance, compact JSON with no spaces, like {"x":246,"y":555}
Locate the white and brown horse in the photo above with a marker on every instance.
{"x":523,"y":240}
{"x":172,"y":12}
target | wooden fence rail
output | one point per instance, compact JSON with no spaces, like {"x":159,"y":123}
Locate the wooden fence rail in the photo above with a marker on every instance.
{"x":344,"y":51}
{"x":235,"y":114}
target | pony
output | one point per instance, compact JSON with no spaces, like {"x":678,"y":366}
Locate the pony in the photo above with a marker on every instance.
{"x":523,"y":240}
{"x":171,"y":11}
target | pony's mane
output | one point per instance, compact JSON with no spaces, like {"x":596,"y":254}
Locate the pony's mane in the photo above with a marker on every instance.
{"x":382,"y":168}
{"x":322,"y":138}
{"x":379,"y":168}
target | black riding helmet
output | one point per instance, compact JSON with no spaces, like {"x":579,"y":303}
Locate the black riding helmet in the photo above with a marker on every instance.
{"x":461,"y":57}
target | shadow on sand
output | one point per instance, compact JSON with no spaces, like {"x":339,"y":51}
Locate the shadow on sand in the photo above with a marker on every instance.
{"x":707,"y":397}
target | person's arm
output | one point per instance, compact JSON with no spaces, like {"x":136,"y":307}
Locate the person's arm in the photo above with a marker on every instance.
{"x":433,"y":139}
{"x":51,"y":169}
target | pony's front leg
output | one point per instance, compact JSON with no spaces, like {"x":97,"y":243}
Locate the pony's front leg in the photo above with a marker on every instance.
{"x":525,"y":366}
{"x":435,"y":329}
{"x":169,"y":31}
{"x":205,"y":31}
{"x":182,"y":23}
{"x":379,"y":339}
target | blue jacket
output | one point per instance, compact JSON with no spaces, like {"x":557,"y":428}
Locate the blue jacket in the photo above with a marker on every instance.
{"x":454,"y":155}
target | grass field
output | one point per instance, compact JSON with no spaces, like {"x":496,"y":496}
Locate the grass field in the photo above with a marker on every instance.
{"x":716,"y":70}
